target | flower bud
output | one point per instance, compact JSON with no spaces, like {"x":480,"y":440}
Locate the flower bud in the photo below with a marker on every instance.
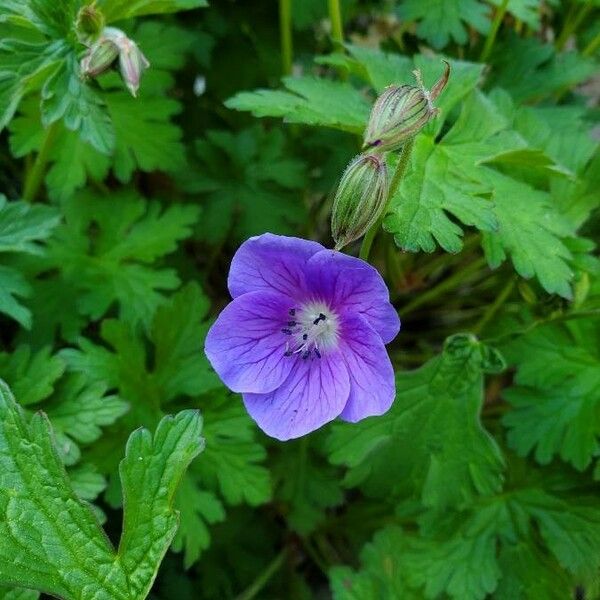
{"x":89,"y":23}
{"x":401,"y":112}
{"x":132,"y":61}
{"x":99,"y":57}
{"x":360,"y":198}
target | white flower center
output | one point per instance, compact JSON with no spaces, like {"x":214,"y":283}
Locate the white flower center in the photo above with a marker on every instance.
{"x":311,"y":329}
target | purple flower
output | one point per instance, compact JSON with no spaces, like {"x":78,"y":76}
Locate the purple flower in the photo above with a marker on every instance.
{"x":303,"y":339}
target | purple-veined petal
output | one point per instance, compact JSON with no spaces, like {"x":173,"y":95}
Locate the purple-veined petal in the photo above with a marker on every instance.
{"x":372,"y":385}
{"x":351,"y":285}
{"x":273,"y":263}
{"x":315,"y":393}
{"x":246,"y":346}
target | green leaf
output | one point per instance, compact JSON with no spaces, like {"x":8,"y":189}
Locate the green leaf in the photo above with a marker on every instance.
{"x":380,"y":575}
{"x":179,"y":366}
{"x":305,"y":485}
{"x":32,"y":376}
{"x":308,"y":100}
{"x":83,"y":409}
{"x":231,"y":469}
{"x":532,"y":236}
{"x":12,"y":285}
{"x":531,"y":70}
{"x":249,"y":183}
{"x":233,"y":456}
{"x":432,"y":438}
{"x":440,"y":21}
{"x":527,"y":11}
{"x":115,"y":10}
{"x":18,"y":594}
{"x":198,"y":509}
{"x":45,"y":525}
{"x":129,"y":235}
{"x":23,"y":227}
{"x":556,"y":412}
{"x":23,"y":64}
{"x":66,"y":96}
{"x":470,"y":555}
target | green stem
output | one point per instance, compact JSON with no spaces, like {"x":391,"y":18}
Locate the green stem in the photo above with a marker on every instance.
{"x":592,"y":46}
{"x":491,"y":311}
{"x":571,"y":25}
{"x":36,"y":175}
{"x":585,"y":314}
{"x":285,"y":29}
{"x":403,"y":161}
{"x":337,"y":30}
{"x":491,"y":37}
{"x":263,"y":578}
{"x":443,"y":286}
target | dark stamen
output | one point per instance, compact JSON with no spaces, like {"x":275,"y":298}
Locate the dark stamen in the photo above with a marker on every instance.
{"x":292,"y":312}
{"x":322,"y":317}
{"x":288,"y":353}
{"x":306,"y":354}
{"x":317,"y":353}
{"x":286,"y":331}
{"x":305,"y":336}
{"x":291,"y":323}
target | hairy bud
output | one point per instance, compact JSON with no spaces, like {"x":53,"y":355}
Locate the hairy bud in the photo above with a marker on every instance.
{"x":99,"y":57}
{"x":89,"y":23}
{"x":360,"y":198}
{"x":401,"y":112}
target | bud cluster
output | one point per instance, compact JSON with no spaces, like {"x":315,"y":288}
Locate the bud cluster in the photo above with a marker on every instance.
{"x":397,"y":116}
{"x":105,"y":46}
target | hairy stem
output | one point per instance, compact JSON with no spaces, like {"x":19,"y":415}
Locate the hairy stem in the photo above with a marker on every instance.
{"x":263,"y":577}
{"x":592,"y":46}
{"x":285,"y":30}
{"x":335,"y":16}
{"x":493,"y":308}
{"x":572,"y":22}
{"x":443,"y":286}
{"x":491,"y":37}
{"x":36,"y":175}
{"x":403,"y":161}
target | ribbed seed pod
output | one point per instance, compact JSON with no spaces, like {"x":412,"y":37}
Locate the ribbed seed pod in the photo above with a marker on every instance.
{"x":360,"y":198}
{"x":400,"y":113}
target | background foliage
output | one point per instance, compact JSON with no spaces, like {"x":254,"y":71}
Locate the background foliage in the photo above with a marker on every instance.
{"x":118,"y":219}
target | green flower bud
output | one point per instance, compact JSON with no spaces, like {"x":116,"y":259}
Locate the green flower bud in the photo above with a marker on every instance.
{"x":360,"y":198}
{"x":401,"y":112}
{"x":99,"y":57}
{"x":89,"y":23}
{"x":132,"y":62}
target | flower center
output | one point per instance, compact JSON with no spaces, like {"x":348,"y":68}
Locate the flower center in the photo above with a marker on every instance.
{"x":311,"y":329}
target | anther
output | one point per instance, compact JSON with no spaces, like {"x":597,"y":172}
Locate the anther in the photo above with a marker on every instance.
{"x":305,"y":336}
{"x":288,"y":353}
{"x":291,"y":323}
{"x":286,"y":331}
{"x":322,"y":317}
{"x":317,"y":353}
{"x":306,"y":354}
{"x":292,"y":312}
